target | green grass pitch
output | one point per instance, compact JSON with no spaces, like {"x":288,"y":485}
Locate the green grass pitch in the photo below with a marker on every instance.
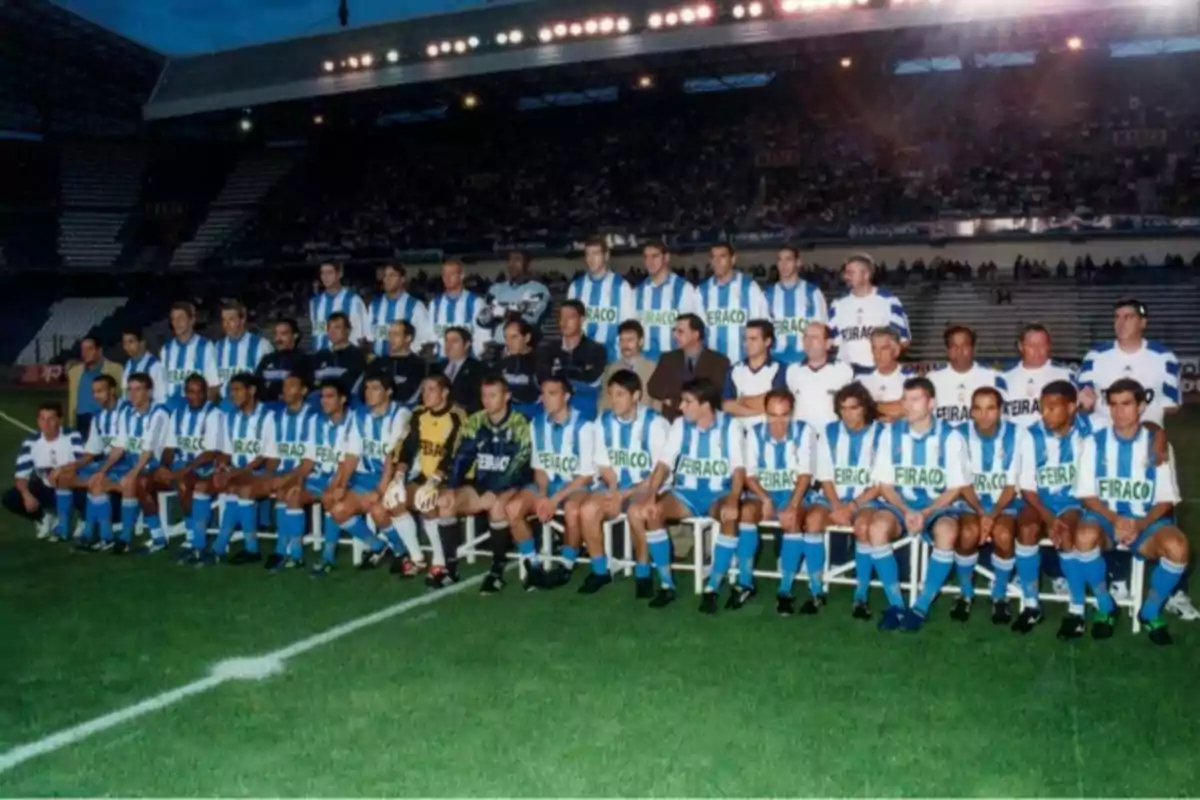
{"x":559,"y":694}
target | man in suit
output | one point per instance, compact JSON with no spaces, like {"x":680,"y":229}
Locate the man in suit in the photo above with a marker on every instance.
{"x":631,"y":339}
{"x":461,"y":368}
{"x":690,"y":360}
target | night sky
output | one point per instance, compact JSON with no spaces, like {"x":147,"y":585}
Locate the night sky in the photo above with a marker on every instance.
{"x":178,"y":27}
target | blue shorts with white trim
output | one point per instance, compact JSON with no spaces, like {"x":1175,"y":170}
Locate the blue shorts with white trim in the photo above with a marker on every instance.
{"x":1111,"y":534}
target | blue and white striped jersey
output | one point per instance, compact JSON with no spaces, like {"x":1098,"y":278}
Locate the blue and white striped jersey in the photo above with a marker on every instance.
{"x":183,"y":359}
{"x":846,"y":458}
{"x":378,"y":434}
{"x":192,"y":432}
{"x":995,"y":461}
{"x":852,"y":319}
{"x":657,"y":306}
{"x":1048,"y":463}
{"x":386,"y":310}
{"x":347,"y":302}
{"x":922,"y":467}
{"x":954,"y":390}
{"x":105,"y":432}
{"x":609,"y":302}
{"x":632,"y":447}
{"x":778,"y":463}
{"x":330,"y":441}
{"x":728,"y":307}
{"x":1154,"y":366}
{"x":1124,"y":474}
{"x":291,"y":436}
{"x":149,"y":365}
{"x":239,"y":355}
{"x":706,"y":459}
{"x":461,"y":311}
{"x":792,"y":308}
{"x":142,"y":431}
{"x":562,"y":450}
{"x":245,"y":437}
{"x":39,"y":456}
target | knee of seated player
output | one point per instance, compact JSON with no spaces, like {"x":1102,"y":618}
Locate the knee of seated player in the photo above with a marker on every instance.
{"x":1172,"y":545}
{"x":514,"y":509}
{"x":380,"y":516}
{"x":1029,"y":533}
{"x":750,"y":513}
{"x":1003,"y":537}
{"x":817,"y":520}
{"x":652,"y":515}
{"x":945,"y":533}
{"x":445,"y":504}
{"x":1087,"y":537}
{"x":862,"y":527}
{"x":882,"y":529}
{"x":590,"y":511}
{"x":969,"y":532}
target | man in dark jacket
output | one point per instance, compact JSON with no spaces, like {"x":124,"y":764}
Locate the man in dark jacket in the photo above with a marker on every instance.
{"x":340,"y":361}
{"x":519,"y":367}
{"x":690,"y":360}
{"x":462,"y":369}
{"x":286,"y":360}
{"x":403,"y":368}
{"x":577,"y":358}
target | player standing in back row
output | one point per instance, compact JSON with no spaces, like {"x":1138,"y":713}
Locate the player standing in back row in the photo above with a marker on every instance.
{"x":605,"y":295}
{"x":794,"y":303}
{"x":660,"y":299}
{"x":856,"y":316}
{"x":731,"y":299}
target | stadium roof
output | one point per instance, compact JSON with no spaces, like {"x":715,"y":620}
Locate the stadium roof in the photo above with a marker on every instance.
{"x":326,"y":66}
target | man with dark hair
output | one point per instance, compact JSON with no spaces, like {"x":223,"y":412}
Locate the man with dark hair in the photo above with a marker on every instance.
{"x":461,"y":368}
{"x":661,"y":299}
{"x":394,"y":305}
{"x":286,"y":359}
{"x":41,"y":457}
{"x":631,"y":339}
{"x":519,"y":366}
{"x":519,"y":297}
{"x":749,"y":380}
{"x":955,"y":383}
{"x":340,"y":360}
{"x":689,"y":360}
{"x":794,"y":302}
{"x":605,"y":298}
{"x":1130,"y":355}
{"x":731,"y":299}
{"x":334,"y":298}
{"x":403,"y":368}
{"x":81,"y":405}
{"x":240,"y":350}
{"x":187,"y":353}
{"x":457,"y":307}
{"x":133,"y":342}
{"x":576,"y":357}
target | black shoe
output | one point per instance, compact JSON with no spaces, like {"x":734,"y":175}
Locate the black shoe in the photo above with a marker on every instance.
{"x":813,"y":605}
{"x":961,"y":612}
{"x":493,"y":583}
{"x":740,"y":595}
{"x":557,"y":577}
{"x":1072,"y":627}
{"x":594,"y":583}
{"x":119,"y":548}
{"x":644,"y":588}
{"x":1158,"y":633}
{"x":1104,"y":625}
{"x":708,"y":602}
{"x":1028,"y":619}
{"x":785,"y":605}
{"x":861,"y":611}
{"x":440,"y":578}
{"x":245,"y":557}
{"x":1001,"y":612}
{"x":370,"y":561}
{"x":274,"y":561}
{"x":664,"y":598}
{"x":535,"y":578}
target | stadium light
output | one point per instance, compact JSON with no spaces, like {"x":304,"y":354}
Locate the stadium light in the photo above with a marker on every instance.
{"x":623,"y":25}
{"x":687,"y":16}
{"x":655,"y":20}
{"x":576,"y":29}
{"x":515,"y":36}
{"x":352,"y":62}
{"x":1074,"y":43}
{"x":645,"y":82}
{"x":446,"y":47}
{"x":755,"y":9}
{"x":245,"y":125}
{"x":367,"y":59}
{"x":470,"y":101}
{"x":671,"y":19}
{"x":591,"y":27}
{"x":473,"y":42}
{"x":607,"y":24}
{"x":545,"y":34}
{"x":431,"y":51}
{"x":460,"y":47}
{"x":560,"y":29}
{"x":501,"y":38}
{"x":393,"y":56}
{"x":329,"y":66}
{"x":846,"y":63}
{"x":318,"y":120}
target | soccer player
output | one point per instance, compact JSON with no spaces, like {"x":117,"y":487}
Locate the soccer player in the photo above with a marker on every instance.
{"x":39,"y":461}
{"x":730,"y":299}
{"x":992,"y":445}
{"x":401,"y":367}
{"x":519,"y":297}
{"x":339,"y":360}
{"x":816,"y":381}
{"x":101,"y":439}
{"x":240,"y":351}
{"x":293,"y":464}
{"x":495,"y":449}
{"x":630,"y":440}
{"x":286,"y":359}
{"x":397,"y":305}
{"x":854,"y":317}
{"x":380,"y":425}
{"x":1026,"y":380}
{"x":794,"y":302}
{"x":605,"y":295}
{"x":1130,"y":500}
{"x":661,"y":298}
{"x":562,"y":441}
{"x":187,"y":353}
{"x":333,"y":446}
{"x":1132,"y":356}
{"x":848,"y":493}
{"x":749,"y":381}
{"x":705,"y":453}
{"x":432,"y":436}
{"x":956,"y":382}
{"x":885,"y":381}
{"x":1048,"y":457}
{"x":456,"y":308}
{"x":779,"y":469}
{"x":190,"y":450}
{"x":247,"y":446}
{"x":519,"y":367}
{"x":141,"y":427}
{"x":921,"y":467}
{"x":133,"y":342}
{"x":578,"y":358}
{"x":334,"y":298}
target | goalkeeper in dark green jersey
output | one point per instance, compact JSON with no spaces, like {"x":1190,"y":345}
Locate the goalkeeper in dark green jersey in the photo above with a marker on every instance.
{"x":489,"y":466}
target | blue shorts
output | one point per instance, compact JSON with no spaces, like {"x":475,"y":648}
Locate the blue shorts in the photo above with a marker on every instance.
{"x":317,"y":482}
{"x":364,"y":482}
{"x":818,"y":499}
{"x":954,"y":510}
{"x":698,"y":502}
{"x":1107,"y":527}
{"x":778,"y":499}
{"x":1012,"y":510}
{"x":1058,"y":507}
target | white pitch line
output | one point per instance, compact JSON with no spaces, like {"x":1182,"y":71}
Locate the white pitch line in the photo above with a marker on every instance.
{"x":228,"y":670}
{"x":17,"y":423}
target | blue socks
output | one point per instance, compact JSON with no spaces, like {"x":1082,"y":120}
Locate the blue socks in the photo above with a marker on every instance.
{"x":62,"y":508}
{"x":130,"y":508}
{"x":814,"y":561}
{"x":1076,"y":584}
{"x":570,"y":556}
{"x":154,"y":523}
{"x":102,"y":514}
{"x":528,"y":550}
{"x":889,"y":574}
{"x":660,"y":555}
{"x":331,"y":533}
{"x":726,"y":547}
{"x":248,"y":511}
{"x":864,"y":563}
{"x":230,"y":517}
{"x":283,"y":535}
{"x":964,"y":566}
{"x":600,"y":565}
{"x":941,"y":562}
{"x":1163,"y":582}
{"x":1002,"y":568}
{"x":358,"y":528}
{"x":1029,"y":568}
{"x":201,"y":514}
{"x":747,"y":549}
{"x":790,"y":555}
{"x":1095,"y":576}
{"x":641,"y":570}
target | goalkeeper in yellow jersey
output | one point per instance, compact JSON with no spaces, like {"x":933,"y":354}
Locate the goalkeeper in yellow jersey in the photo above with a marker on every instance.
{"x":432,"y":434}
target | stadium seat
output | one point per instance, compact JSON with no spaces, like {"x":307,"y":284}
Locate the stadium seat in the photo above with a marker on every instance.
{"x":69,"y":320}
